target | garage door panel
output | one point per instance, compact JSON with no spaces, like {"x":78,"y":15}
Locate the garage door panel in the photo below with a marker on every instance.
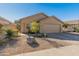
{"x":50,"y":28}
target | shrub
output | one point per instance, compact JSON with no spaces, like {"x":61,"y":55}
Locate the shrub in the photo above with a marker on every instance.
{"x":18,"y":25}
{"x":2,"y":42}
{"x":10,"y":34}
{"x":65,"y":25}
{"x":34,"y":27}
{"x":1,"y":31}
{"x":76,"y":29}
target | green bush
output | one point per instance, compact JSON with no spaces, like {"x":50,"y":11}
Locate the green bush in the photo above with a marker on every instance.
{"x":10,"y":34}
{"x":76,"y":29}
{"x":1,"y":30}
{"x":34,"y":27}
{"x":2,"y":42}
{"x":65,"y":25}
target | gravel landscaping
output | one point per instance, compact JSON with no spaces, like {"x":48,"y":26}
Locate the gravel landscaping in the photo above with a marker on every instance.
{"x":21,"y":46}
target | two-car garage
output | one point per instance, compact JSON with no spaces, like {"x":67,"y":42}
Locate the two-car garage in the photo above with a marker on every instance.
{"x":51,"y":25}
{"x":49,"y":28}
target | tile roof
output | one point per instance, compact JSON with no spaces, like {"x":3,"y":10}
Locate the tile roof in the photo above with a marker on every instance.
{"x":3,"y":21}
{"x":40,"y":17}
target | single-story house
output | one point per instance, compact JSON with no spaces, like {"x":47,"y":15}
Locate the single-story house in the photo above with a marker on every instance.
{"x":4,"y":21}
{"x":48,"y":24}
{"x":7,"y":24}
{"x":71,"y":25}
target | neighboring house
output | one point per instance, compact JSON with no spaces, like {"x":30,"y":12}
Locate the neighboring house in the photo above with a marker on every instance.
{"x":3,"y":21}
{"x":71,"y":25}
{"x":48,"y":24}
{"x":7,"y":24}
{"x":12,"y":26}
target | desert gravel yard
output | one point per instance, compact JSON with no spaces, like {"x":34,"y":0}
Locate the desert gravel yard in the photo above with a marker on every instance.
{"x":21,"y":46}
{"x":56,"y":40}
{"x":70,"y":50}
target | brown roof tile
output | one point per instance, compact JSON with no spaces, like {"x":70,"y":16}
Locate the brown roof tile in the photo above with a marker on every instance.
{"x":3,"y":21}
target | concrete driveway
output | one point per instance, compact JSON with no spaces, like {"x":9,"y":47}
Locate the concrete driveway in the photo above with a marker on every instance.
{"x":64,"y":36}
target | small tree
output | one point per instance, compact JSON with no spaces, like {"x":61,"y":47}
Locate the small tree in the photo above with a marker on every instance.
{"x":34,"y":26}
{"x":17,"y":25}
{"x":65,"y":25}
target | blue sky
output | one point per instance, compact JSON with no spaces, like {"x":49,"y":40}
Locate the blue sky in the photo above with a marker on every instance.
{"x":16,"y":11}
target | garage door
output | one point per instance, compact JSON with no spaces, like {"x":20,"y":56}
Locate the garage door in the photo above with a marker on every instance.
{"x":49,"y":28}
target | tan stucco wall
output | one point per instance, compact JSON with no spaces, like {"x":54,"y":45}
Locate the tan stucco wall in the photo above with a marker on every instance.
{"x":50,"y":20}
{"x":53,"y":22}
{"x":25,"y":21}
